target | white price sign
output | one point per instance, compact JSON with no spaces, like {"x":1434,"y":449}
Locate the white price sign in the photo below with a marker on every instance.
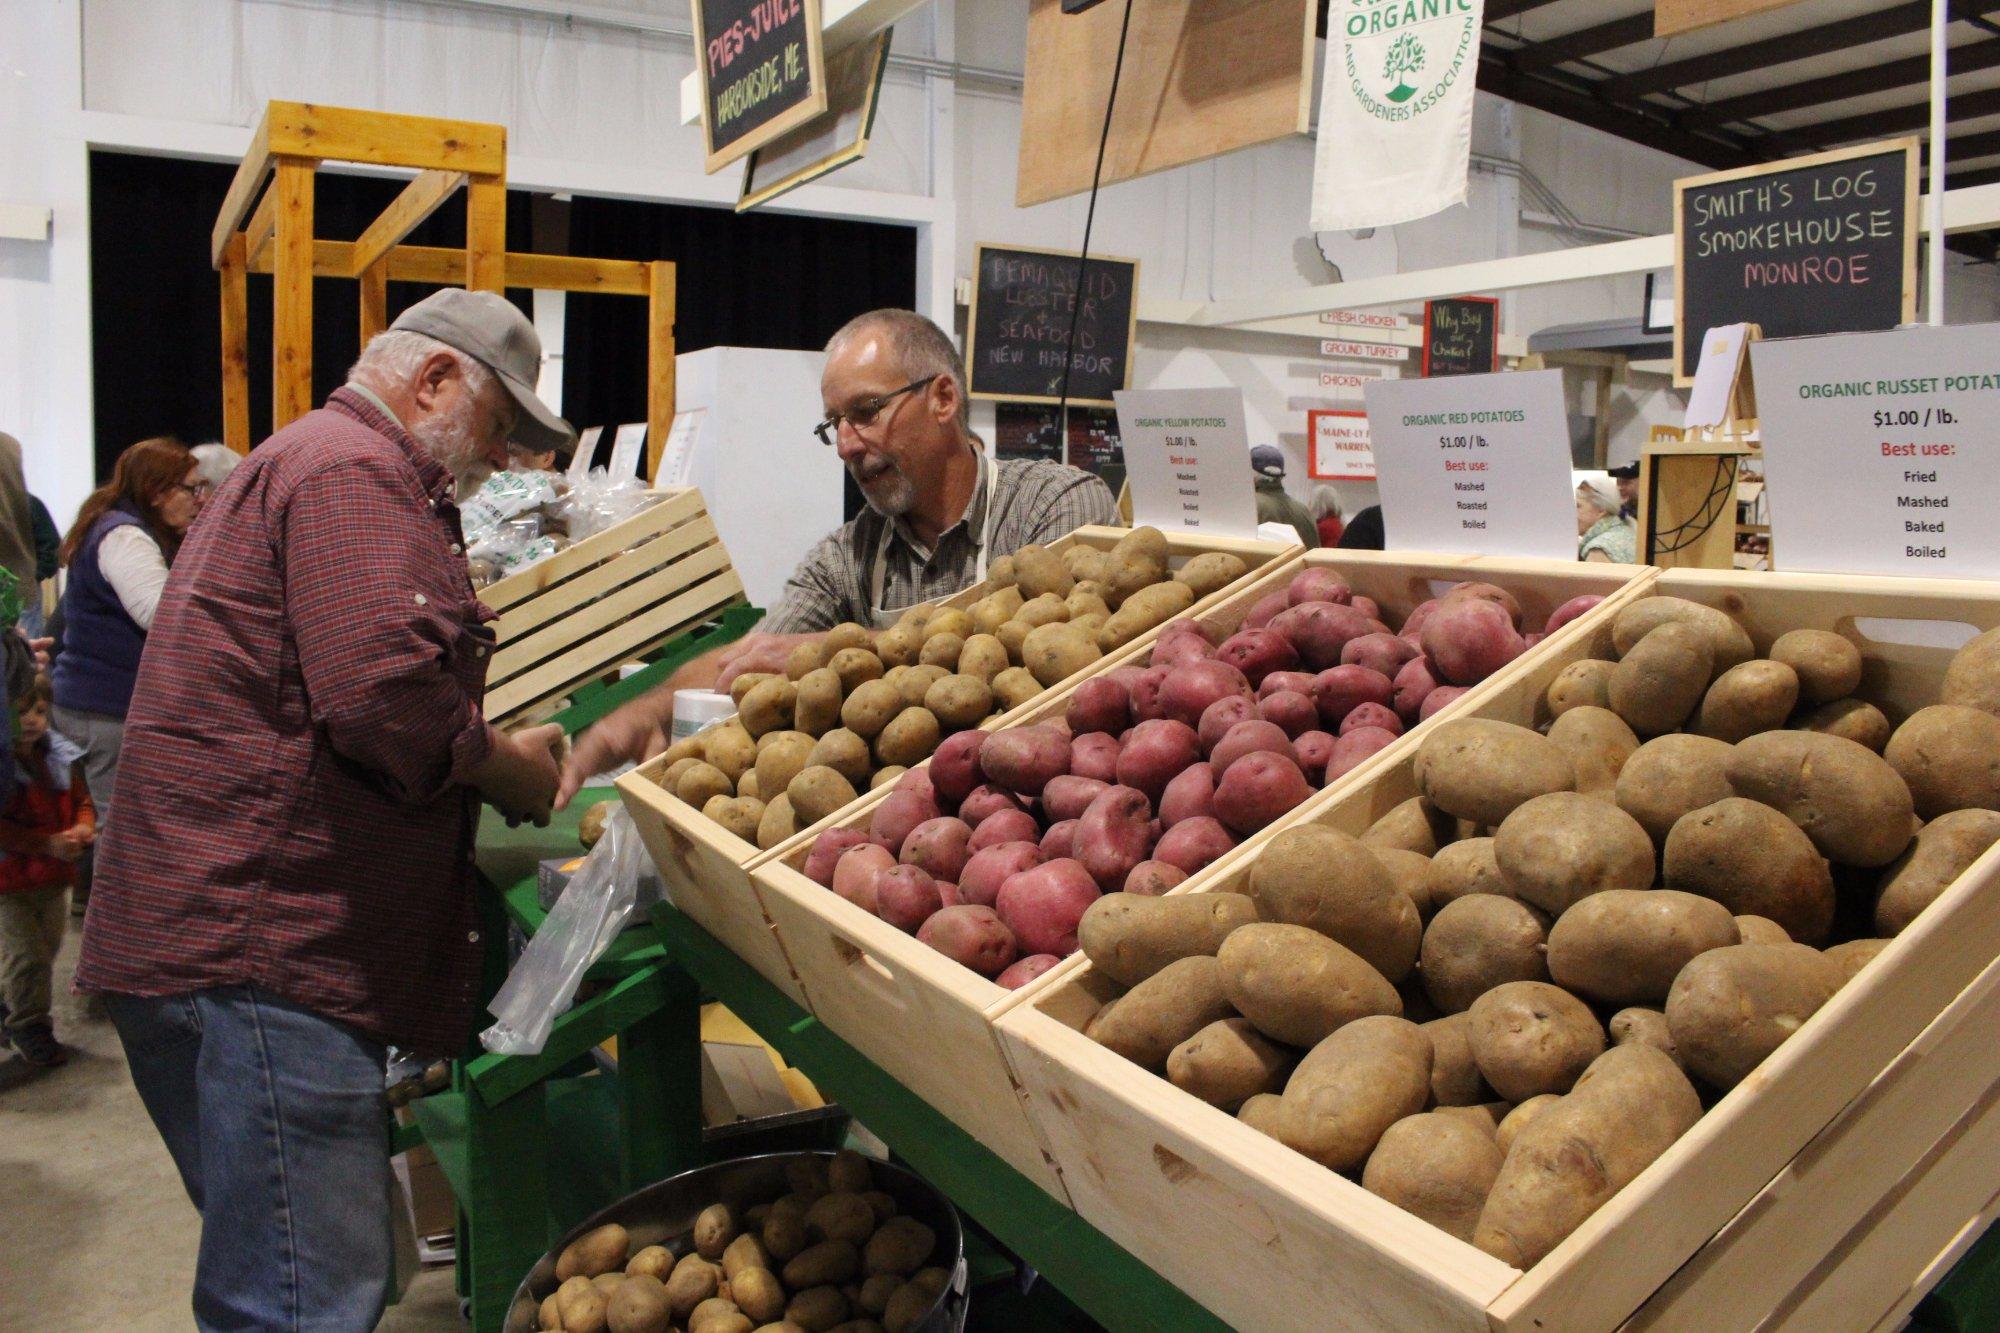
{"x":1879,"y":450}
{"x":1476,"y":463}
{"x":1356,"y":351}
{"x":1187,"y":458}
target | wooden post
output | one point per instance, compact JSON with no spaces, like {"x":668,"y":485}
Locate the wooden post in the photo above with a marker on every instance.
{"x":235,"y":346}
{"x":374,"y":300}
{"x":659,"y":364}
{"x":486,"y":233}
{"x":292,"y":279}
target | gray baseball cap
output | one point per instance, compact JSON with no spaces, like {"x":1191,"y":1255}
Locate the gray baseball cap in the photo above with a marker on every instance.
{"x":488,"y":328}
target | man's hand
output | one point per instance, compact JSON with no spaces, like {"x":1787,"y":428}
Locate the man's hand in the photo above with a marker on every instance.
{"x":628,"y":735}
{"x":755,"y":652}
{"x":519,"y":777}
{"x":67,"y":845}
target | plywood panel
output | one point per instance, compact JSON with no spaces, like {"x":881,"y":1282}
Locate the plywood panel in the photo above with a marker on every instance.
{"x":1672,"y":17}
{"x":1199,"y":80}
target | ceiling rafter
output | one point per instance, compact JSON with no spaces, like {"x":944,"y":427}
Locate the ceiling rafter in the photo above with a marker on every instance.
{"x":1835,"y":87}
{"x":1895,"y":21}
{"x":1584,"y":43}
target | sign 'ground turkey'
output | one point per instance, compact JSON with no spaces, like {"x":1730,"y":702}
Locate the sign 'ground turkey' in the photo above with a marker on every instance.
{"x":1395,"y":111}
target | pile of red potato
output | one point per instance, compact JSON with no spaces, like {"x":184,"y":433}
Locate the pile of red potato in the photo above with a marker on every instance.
{"x":993,"y":851}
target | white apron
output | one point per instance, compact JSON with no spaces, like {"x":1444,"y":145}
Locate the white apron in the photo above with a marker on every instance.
{"x":883,"y":618}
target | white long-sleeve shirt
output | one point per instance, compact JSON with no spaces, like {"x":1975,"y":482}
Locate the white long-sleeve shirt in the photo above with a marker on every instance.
{"x":133,"y":565}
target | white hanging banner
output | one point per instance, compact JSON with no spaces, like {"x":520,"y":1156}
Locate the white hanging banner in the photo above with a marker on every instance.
{"x":1395,"y":111}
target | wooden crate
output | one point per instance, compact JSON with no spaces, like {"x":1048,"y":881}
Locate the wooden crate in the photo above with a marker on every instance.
{"x":702,"y":866}
{"x":599,"y":603}
{"x":706,"y":868}
{"x":1269,"y":1241}
{"x":927,"y":1020}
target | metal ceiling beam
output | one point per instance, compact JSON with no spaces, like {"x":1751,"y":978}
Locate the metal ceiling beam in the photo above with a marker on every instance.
{"x":1896,"y":21}
{"x":1583,"y":43}
{"x":1965,"y":180}
{"x":1575,"y":100}
{"x":1984,"y":144}
{"x":1889,"y":120}
{"x":1834,"y":87}
{"x":1500,"y":10}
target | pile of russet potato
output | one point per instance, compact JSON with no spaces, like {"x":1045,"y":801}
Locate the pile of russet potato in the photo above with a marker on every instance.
{"x":854,"y":710}
{"x":994,"y":851}
{"x":833,"y":1254}
{"x":1518,"y":988}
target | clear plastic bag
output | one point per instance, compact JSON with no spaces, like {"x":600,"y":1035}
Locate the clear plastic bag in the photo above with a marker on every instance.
{"x":596,"y":502}
{"x":594,"y":907}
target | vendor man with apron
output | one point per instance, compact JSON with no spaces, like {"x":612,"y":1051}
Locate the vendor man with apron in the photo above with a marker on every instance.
{"x":939,"y":509}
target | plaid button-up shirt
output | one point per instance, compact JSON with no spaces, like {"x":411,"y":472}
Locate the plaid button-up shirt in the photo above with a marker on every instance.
{"x":1039,"y":502}
{"x":291,"y":809}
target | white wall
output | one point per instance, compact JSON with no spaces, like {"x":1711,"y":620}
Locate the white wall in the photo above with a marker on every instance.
{"x":45,"y":390}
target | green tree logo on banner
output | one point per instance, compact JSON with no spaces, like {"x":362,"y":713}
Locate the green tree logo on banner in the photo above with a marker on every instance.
{"x":1405,"y":57}
{"x":1401,"y":57}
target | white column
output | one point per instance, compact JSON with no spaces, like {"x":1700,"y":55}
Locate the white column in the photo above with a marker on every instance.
{"x":1934,"y":208}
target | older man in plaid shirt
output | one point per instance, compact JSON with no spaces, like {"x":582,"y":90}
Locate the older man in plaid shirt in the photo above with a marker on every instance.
{"x":939,"y":510}
{"x":287,"y":884}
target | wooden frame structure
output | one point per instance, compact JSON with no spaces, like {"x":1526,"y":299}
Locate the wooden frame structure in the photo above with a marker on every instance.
{"x":270,"y":230}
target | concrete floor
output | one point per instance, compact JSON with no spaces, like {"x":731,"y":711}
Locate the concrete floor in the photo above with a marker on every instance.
{"x":95,"y":1230}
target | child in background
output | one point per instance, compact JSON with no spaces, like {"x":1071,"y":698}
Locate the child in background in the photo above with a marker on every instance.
{"x":43,"y":832}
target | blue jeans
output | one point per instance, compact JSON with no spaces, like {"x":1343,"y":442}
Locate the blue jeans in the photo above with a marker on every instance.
{"x":275,"y":1117}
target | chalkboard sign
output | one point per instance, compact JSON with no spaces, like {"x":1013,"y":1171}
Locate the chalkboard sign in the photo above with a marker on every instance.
{"x":1022,"y":304}
{"x":1821,"y":244}
{"x":1462,"y":336}
{"x":763,"y":72}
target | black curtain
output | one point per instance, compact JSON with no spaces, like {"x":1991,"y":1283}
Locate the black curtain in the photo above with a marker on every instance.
{"x":754,"y":280}
{"x":744,"y":280}
{"x":156,"y":312}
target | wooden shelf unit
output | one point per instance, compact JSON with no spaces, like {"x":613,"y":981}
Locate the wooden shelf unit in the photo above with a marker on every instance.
{"x":270,"y":230}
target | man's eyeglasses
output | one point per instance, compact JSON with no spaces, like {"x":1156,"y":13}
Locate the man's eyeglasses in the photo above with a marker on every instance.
{"x":201,"y":490}
{"x":862,"y":415}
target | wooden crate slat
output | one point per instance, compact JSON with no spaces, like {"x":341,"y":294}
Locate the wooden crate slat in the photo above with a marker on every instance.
{"x":1926,"y":1214}
{"x":678,"y":507}
{"x":697,"y":603}
{"x":683,"y":555}
{"x":695,"y":857}
{"x":1169,"y":1198}
{"x":524,"y":617}
{"x":1785,"y":1239}
{"x":911,"y":1010}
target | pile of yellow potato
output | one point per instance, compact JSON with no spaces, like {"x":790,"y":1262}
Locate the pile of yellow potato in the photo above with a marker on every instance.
{"x":833,"y":1253}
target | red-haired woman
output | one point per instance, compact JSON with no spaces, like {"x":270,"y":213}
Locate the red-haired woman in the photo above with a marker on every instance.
{"x":118,"y":552}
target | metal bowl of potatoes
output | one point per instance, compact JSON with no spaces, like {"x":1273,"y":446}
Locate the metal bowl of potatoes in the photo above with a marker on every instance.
{"x":823,"y":1240}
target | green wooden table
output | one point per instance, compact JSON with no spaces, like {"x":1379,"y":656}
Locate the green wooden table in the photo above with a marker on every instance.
{"x":1107,"y":1283}
{"x":501,"y":1130}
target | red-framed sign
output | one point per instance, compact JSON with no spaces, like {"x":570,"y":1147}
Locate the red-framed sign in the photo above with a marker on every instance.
{"x":1338,"y":447}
